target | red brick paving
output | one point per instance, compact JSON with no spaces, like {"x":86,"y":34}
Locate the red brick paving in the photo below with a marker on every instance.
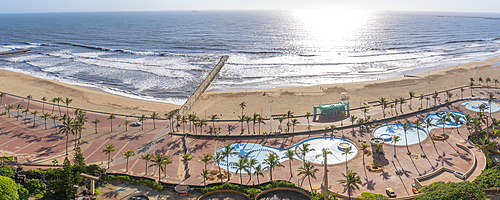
{"x":446,"y":153}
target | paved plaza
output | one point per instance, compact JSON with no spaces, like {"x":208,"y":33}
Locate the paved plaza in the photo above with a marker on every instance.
{"x":32,"y":143}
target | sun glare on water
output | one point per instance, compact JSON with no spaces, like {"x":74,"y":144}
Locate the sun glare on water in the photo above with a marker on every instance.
{"x":331,"y":29}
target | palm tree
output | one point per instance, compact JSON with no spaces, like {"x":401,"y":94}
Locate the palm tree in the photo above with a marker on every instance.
{"x":254,"y":119}
{"x":435,"y":97}
{"x":242,"y":106}
{"x":258,"y":172}
{"x":396,"y":101}
{"x":241,"y":165}
{"x":67,"y":101}
{"x":229,"y":127}
{"x":202,"y":123}
{"x":491,"y":98}
{"x":109,"y":148}
{"x":184,"y":120}
{"x":365,"y":110}
{"x":218,"y":159}
{"x":395,"y":139}
{"x":412,"y":94}
{"x":111,"y":117}
{"x":142,"y":119}
{"x":487,"y":81}
{"x":308,"y":114}
{"x":289,"y":115}
{"x":351,"y":182}
{"x":26,"y":113}
{"x":19,"y":106}
{"x":280,"y":119}
{"x":129,"y":153}
{"x":186,"y":158}
{"x":213,"y":118}
{"x":471,"y":84}
{"x":402,"y":100}
{"x":260,"y":120}
{"x":178,"y":119}
{"x":407,"y":127}
{"x":248,"y":119}
{"x":206,"y":158}
{"x":204,"y":173}
{"x":427,"y":99}
{"x":154,"y":116}
{"x":96,"y":121}
{"x":272,"y":161}
{"x":480,"y":80}
{"x":29,"y":97}
{"x":363,"y":148}
{"x":45,"y":116}
{"x":158,"y":161}
{"x":170,"y":116}
{"x":462,"y":93}
{"x":34,"y":113}
{"x":353,"y":119}
{"x":126,"y":122}
{"x":59,"y":99}
{"x":294,"y":123}
{"x":242,"y":119}
{"x":1,"y":98}
{"x":488,"y":147}
{"x":54,"y":117}
{"x":444,"y":119}
{"x":228,"y":151}
{"x":66,"y":128}
{"x":308,"y":171}
{"x":53,"y":100}
{"x":290,"y":154}
{"x":44,"y":99}
{"x":427,"y":125}
{"x":495,"y":81}
{"x":382,"y":101}
{"x":392,"y":106}
{"x":346,"y":152}
{"x":417,"y":125}
{"x":304,"y":149}
{"x":9,"y":107}
{"x":146,"y":157}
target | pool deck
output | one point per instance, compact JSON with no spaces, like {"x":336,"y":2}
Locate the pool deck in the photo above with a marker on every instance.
{"x":37,"y":145}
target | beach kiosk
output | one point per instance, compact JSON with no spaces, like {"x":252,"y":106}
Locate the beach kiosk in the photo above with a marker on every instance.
{"x":332,"y":109}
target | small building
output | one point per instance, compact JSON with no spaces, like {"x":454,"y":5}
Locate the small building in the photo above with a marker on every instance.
{"x":332,"y":109}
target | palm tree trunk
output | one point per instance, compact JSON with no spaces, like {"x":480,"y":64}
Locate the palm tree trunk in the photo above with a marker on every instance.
{"x":109,"y":155}
{"x":66,"y":143}
{"x":309,"y":178}
{"x":146,"y":168}
{"x":127,"y":166}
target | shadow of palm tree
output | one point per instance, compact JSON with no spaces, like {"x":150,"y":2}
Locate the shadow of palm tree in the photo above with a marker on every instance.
{"x":385,"y":175}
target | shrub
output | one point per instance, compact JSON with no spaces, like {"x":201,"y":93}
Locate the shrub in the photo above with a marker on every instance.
{"x":372,"y":196}
{"x":6,"y":171}
{"x":97,"y":191}
{"x":152,"y":184}
{"x":462,"y":190}
{"x":36,"y":187}
{"x":489,"y":178}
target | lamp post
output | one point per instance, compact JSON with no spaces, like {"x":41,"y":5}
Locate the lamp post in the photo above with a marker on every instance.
{"x":270,"y":116}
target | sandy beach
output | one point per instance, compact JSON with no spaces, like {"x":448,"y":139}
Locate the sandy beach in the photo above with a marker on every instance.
{"x":225,"y":103}
{"x":302,"y":99}
{"x":86,"y":98}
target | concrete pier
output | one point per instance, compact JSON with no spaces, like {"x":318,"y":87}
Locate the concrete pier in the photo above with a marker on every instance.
{"x":203,"y":86}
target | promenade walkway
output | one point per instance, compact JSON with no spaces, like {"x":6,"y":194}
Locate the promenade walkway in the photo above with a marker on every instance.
{"x":37,"y":145}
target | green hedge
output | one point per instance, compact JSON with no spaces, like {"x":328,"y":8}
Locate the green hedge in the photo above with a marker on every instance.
{"x":152,"y":184}
{"x":251,"y":192}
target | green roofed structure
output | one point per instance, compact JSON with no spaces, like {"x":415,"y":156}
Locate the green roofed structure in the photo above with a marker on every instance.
{"x":331,"y":109}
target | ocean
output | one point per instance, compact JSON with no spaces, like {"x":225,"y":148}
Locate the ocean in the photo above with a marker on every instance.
{"x":164,"y":56}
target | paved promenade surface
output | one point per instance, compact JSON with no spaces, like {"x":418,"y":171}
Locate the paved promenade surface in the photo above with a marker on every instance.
{"x":35,"y":144}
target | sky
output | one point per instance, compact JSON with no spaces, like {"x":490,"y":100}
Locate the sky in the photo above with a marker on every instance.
{"x":43,"y":6}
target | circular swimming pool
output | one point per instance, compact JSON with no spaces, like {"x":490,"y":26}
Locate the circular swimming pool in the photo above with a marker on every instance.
{"x":474,"y":106}
{"x":386,"y":132}
{"x":334,"y":144}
